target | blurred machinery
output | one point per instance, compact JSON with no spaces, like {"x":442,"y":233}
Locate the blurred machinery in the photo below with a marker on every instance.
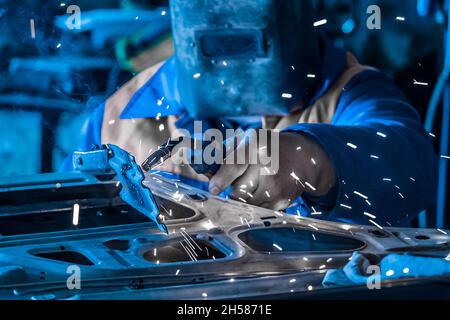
{"x":54,"y":76}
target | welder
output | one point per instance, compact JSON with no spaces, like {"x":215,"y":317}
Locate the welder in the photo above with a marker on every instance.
{"x":351,"y":147}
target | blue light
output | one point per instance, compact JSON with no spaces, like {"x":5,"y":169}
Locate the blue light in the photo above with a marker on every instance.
{"x":348,"y":26}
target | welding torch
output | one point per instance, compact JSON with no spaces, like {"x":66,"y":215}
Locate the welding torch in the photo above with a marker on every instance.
{"x":166,"y":151}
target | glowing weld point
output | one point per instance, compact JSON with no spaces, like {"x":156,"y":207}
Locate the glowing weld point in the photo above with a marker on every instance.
{"x":310,"y":288}
{"x":313,"y":227}
{"x":292,"y":280}
{"x":286,"y":96}
{"x":197,"y":75}
{"x":387,"y":179}
{"x":277,"y":247}
{"x":400,"y":18}
{"x":111,"y":122}
{"x":58,"y":46}
{"x":163,"y":13}
{"x":204,"y":295}
{"x":406,"y":270}
{"x":445,"y":157}
{"x":76,"y":214}
{"x":178,"y":272}
{"x":442,"y":231}
{"x":311,"y":76}
{"x":351,"y":145}
{"x":374,"y":157}
{"x":320,"y":23}
{"x":161,"y":127}
{"x":267,"y":194}
{"x":381,"y":134}
{"x":313,"y":161}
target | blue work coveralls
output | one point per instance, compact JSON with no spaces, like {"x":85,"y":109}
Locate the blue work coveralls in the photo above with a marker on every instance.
{"x":383,"y":157}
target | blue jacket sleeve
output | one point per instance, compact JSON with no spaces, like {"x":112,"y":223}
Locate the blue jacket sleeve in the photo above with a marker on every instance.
{"x":91,"y":133}
{"x":384,"y":158}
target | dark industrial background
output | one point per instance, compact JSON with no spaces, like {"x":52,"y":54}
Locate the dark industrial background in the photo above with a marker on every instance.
{"x":50,"y":83}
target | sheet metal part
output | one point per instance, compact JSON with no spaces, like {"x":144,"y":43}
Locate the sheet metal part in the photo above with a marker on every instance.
{"x":215,"y":248}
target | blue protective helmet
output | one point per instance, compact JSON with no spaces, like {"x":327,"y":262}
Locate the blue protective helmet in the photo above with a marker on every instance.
{"x":252,"y":57}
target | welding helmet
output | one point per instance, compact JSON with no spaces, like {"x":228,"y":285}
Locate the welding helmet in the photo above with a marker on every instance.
{"x":243,"y":58}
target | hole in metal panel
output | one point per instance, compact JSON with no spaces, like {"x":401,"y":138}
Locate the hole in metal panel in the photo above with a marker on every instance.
{"x":66,"y":256}
{"x":90,"y":217}
{"x":268,"y":218}
{"x":379,"y":233}
{"x":117,"y":244}
{"x":296,"y":240}
{"x":422,"y":237}
{"x":182,"y":251}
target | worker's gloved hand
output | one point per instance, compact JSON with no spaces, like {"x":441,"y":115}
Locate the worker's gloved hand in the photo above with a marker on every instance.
{"x":303,"y":167}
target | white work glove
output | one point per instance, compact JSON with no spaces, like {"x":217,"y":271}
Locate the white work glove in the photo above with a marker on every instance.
{"x":303,"y":167}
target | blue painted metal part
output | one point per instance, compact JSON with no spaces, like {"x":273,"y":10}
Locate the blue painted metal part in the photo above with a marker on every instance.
{"x":129,"y":174}
{"x":96,"y":160}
